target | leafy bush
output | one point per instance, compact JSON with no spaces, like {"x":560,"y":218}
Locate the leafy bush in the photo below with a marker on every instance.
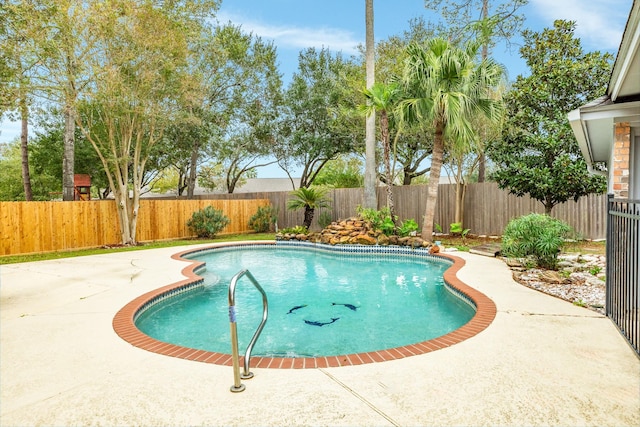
{"x":298,"y":229}
{"x":536,"y":235}
{"x":379,"y":219}
{"x":407,"y":227}
{"x":455,"y":228}
{"x":208,"y":222}
{"x":387,"y":226}
{"x":263,"y":220}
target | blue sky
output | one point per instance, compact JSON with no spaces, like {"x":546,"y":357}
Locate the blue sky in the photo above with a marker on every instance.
{"x":339,"y":25}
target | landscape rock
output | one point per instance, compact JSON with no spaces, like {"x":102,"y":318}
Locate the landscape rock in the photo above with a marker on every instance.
{"x":551,"y":276}
{"x":364,"y":239}
{"x":513,"y":262}
{"x":574,"y":281}
{"x":355,"y":231}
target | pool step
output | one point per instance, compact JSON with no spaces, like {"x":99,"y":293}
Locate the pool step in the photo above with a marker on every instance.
{"x":488,"y":249}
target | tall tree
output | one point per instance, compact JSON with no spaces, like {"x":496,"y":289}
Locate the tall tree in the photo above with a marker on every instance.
{"x":483,"y":20}
{"x":464,"y":157}
{"x":445,"y":85}
{"x":538,"y":154}
{"x":63,"y":45}
{"x":10,"y":179}
{"x":370,"y":176}
{"x":343,"y":172}
{"x":413,"y":145}
{"x":19,"y":63}
{"x":139,"y":61}
{"x":382,"y":99}
{"x":312,"y":130}
{"x":230,"y":110}
{"x":46,"y":152}
{"x":250,"y":94}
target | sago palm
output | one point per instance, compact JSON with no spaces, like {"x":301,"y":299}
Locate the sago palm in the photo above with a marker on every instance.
{"x":447,"y":85}
{"x":310,"y":199}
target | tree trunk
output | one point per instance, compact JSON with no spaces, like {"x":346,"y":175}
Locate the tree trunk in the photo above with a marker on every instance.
{"x":24,"y":149}
{"x":434,"y":181}
{"x":308,"y":216}
{"x":370,"y":179}
{"x":134,"y":207}
{"x":482,"y":165}
{"x":384,"y":130}
{"x":461,"y":189}
{"x":121,"y":195}
{"x":193,"y":165}
{"x":232,"y":181}
{"x":68,"y":157}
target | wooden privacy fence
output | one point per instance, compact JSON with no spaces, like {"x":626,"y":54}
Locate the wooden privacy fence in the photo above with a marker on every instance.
{"x":27,"y":227}
{"x":30,"y":227}
{"x":487,"y":210}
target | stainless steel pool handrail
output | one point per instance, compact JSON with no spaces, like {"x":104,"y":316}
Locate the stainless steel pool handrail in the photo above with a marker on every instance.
{"x":237,"y":385}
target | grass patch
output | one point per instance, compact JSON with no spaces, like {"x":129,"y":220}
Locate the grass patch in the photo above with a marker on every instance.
{"x":586,"y":247}
{"x":583,"y":247}
{"x":14,"y":259}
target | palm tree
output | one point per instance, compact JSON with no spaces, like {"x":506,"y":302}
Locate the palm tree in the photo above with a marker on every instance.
{"x":382,"y":98}
{"x":370,"y":178}
{"x":310,"y":199}
{"x":445,"y":85}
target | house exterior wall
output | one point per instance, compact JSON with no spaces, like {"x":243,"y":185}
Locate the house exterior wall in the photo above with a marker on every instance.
{"x":621,"y":160}
{"x":634,"y":172}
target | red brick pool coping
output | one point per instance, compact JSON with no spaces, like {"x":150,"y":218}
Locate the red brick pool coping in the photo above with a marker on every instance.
{"x":124,"y":326}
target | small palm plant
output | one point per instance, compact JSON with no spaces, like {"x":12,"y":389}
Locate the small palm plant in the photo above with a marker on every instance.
{"x":537,"y":235}
{"x":310,"y":199}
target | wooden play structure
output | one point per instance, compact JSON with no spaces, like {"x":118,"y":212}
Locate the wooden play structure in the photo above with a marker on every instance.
{"x":82,"y":187}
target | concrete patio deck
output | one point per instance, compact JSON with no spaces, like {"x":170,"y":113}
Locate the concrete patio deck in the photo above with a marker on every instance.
{"x":543,"y":361}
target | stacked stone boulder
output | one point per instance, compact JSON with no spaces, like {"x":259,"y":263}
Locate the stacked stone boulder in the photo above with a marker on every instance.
{"x":355,"y":231}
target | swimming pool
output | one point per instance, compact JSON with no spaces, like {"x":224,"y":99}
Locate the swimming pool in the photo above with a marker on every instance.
{"x":329,"y":321}
{"x":321,"y":303}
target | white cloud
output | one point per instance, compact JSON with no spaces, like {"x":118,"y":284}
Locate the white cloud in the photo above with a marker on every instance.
{"x":285,"y":36}
{"x":599,"y":23}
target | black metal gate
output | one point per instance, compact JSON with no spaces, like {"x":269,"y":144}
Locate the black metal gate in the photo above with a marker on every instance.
{"x":623,"y":265}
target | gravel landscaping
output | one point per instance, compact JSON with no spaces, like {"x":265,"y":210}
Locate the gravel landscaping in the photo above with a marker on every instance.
{"x":579,"y":279}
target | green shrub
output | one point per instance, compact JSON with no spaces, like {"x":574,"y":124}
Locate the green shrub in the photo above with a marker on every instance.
{"x":455,"y":228}
{"x":208,"y":222}
{"x":263,"y":220}
{"x":379,"y":219}
{"x":387,"y":226}
{"x":535,"y":235}
{"x":298,"y":229}
{"x":408,"y":227}
{"x":324,"y":219}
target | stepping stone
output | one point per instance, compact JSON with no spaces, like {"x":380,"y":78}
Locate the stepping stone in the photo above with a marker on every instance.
{"x":488,"y":249}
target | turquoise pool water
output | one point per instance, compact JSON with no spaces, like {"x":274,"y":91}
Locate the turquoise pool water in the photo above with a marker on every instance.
{"x":320,"y":303}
